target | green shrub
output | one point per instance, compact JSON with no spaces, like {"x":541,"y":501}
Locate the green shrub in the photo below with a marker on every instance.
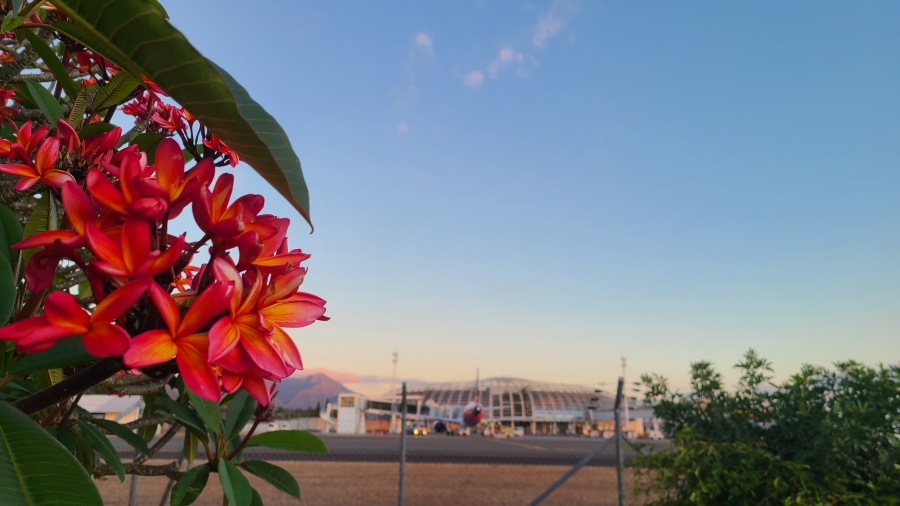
{"x":821,"y":437}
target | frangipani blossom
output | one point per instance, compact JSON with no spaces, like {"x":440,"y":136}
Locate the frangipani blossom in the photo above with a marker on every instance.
{"x":131,"y":256}
{"x":180,"y":338}
{"x":41,"y":170}
{"x":64,"y":317}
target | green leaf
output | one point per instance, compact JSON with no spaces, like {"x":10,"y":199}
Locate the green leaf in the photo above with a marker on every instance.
{"x":43,"y":217}
{"x":257,"y":500}
{"x":122,"y":432}
{"x":239,"y":412}
{"x":183,"y":414}
{"x":52,"y":61}
{"x":76,"y":115}
{"x":11,"y":22}
{"x":234,"y":484}
{"x":101,"y":443}
{"x":92,"y":129}
{"x":136,"y":36}
{"x":116,"y":90}
{"x":67,"y":438}
{"x":36,"y":469}
{"x":7,"y":291}
{"x":189,"y":486}
{"x":17,"y":6}
{"x":45,"y":101}
{"x":24,"y":96}
{"x":209,"y":412}
{"x":148,"y":142}
{"x":293,"y":440}
{"x":191,"y":445}
{"x":278,"y":477}
{"x":12,"y":231}
{"x":66,"y":353}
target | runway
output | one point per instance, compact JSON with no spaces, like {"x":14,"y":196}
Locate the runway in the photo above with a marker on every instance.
{"x":535,"y":450}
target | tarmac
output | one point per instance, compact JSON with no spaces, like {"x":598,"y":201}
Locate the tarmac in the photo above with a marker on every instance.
{"x":439,"y":448}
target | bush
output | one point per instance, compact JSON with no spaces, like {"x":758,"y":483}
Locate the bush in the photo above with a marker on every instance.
{"x":821,"y":437}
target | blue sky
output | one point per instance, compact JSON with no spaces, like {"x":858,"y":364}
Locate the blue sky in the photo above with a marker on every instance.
{"x":540,"y":188}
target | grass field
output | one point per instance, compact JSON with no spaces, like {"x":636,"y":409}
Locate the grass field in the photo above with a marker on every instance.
{"x":349,"y":484}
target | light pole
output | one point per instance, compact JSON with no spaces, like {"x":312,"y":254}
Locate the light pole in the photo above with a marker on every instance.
{"x":393,"y":386}
{"x":626,"y":397}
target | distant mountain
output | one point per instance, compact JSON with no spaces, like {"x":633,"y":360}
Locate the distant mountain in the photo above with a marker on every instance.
{"x":306,"y":391}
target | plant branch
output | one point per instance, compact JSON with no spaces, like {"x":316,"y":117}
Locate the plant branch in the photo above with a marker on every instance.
{"x":43,"y":77}
{"x":146,"y":422}
{"x":171,"y":470}
{"x":241,"y":446}
{"x":71,"y":386}
{"x":27,"y":57}
{"x":159,"y":444}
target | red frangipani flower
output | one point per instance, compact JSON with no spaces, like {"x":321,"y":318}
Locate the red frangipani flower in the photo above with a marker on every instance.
{"x":64,"y":317}
{"x":40,"y":170}
{"x":180,"y":338}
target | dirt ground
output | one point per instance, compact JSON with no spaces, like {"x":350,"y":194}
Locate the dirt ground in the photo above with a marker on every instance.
{"x":350,"y":484}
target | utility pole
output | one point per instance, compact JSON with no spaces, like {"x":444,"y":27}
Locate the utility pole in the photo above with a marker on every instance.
{"x":393,"y":386}
{"x":620,"y":459}
{"x":625,"y":398}
{"x":402,"y":446}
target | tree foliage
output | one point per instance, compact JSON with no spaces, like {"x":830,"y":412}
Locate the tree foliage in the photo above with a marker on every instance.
{"x":824,"y":436}
{"x":99,"y":293}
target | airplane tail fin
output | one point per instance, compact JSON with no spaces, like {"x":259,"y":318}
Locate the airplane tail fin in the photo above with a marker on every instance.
{"x":477,"y":392}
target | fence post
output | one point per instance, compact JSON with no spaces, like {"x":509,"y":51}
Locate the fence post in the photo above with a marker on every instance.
{"x":620,"y":460}
{"x":402,"y":445}
{"x":583,"y":462}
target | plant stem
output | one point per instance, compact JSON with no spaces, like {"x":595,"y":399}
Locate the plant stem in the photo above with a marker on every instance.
{"x":71,"y":386}
{"x":53,"y":414}
{"x":240,"y":447}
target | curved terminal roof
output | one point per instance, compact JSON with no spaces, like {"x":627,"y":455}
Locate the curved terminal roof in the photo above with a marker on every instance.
{"x":515,"y":398}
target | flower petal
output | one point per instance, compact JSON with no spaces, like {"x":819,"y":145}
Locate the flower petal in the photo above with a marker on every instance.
{"x":257,"y":388}
{"x":17,"y":169}
{"x":104,"y":247}
{"x":169,"y":164}
{"x":78,"y":206}
{"x":150,"y":348}
{"x":231,"y":381}
{"x":288,"y":348}
{"x":46,"y":238}
{"x":237,"y":360}
{"x":166,"y":306}
{"x":293,"y":314}
{"x":262,"y":352}
{"x":105,"y":192}
{"x":119,"y":301}
{"x":198,"y":374}
{"x":47,"y":155}
{"x":25,"y":328}
{"x":63,"y":310}
{"x":223,"y":337}
{"x":167,"y":258}
{"x":224,"y":271}
{"x":135,"y":242}
{"x":57,"y":178}
{"x":106,"y":340}
{"x":210,"y":303}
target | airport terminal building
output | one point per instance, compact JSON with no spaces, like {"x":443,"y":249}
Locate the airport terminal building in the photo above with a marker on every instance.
{"x":535,"y":406}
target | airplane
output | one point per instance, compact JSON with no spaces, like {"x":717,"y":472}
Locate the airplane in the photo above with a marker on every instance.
{"x":471,"y":416}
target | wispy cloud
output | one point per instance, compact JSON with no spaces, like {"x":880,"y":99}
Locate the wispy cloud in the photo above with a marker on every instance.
{"x":423,"y":40}
{"x":474,"y":79}
{"x":349,"y":377}
{"x":505,"y":57}
{"x":402,"y":128}
{"x":552,"y":21}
